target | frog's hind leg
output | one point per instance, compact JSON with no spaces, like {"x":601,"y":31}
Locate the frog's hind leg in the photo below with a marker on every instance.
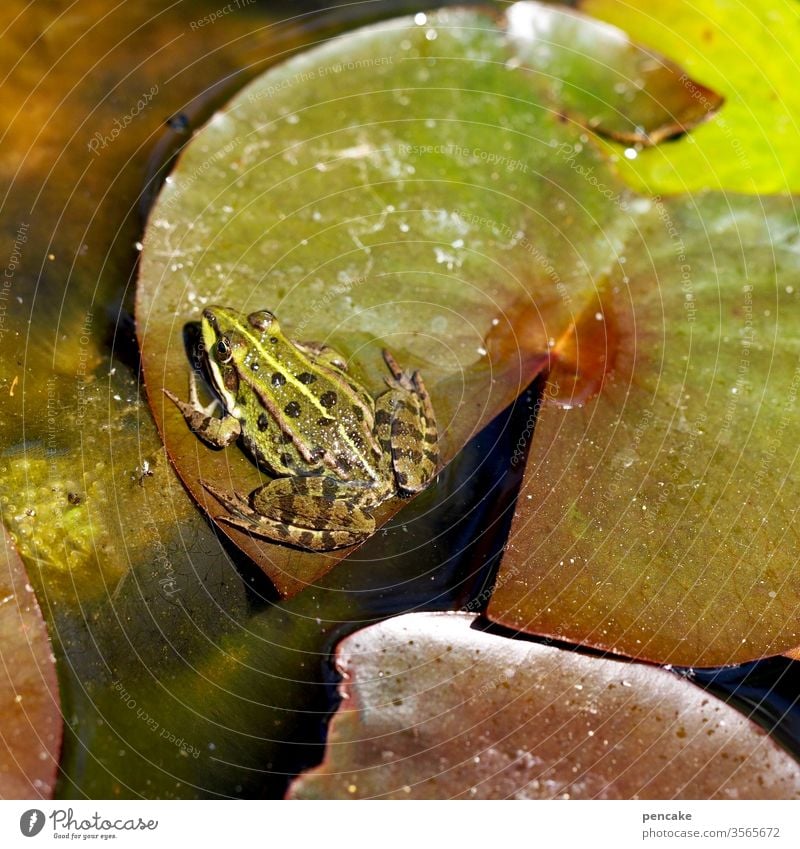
{"x":315,"y":513}
{"x":406,"y":428}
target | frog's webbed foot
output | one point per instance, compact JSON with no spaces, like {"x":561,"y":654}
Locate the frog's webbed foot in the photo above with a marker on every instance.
{"x":406,"y":428}
{"x":218,"y":433}
{"x":315,"y":513}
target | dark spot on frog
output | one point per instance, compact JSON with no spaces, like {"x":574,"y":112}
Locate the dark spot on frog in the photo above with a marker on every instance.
{"x":306,"y":378}
{"x":286,"y":459}
{"x":278,"y":379}
{"x":74,"y":498}
{"x":323,"y":422}
{"x":273,"y":340}
{"x":401,"y":428}
{"x":317,"y":453}
{"x":263,"y":421}
{"x":254,"y":365}
{"x":292,"y":409}
{"x":343,"y":463}
{"x":328,"y":399}
{"x":231,"y":381}
{"x":358,"y":413}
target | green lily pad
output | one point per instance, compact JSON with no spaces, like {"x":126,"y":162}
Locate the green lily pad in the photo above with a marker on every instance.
{"x":605,"y":81}
{"x":30,"y":714}
{"x":434,"y":709}
{"x":749,"y":55}
{"x":657,"y":519}
{"x":410,"y":224}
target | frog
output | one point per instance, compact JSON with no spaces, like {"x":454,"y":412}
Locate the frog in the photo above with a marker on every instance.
{"x":333,"y":452}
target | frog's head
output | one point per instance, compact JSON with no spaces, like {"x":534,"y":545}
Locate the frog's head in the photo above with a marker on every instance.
{"x":228,"y":341}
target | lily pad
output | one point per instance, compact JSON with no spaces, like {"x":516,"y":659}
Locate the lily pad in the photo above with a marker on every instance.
{"x":750,"y":57}
{"x":604,"y":80}
{"x":659,"y":518}
{"x":30,"y":715}
{"x":410,"y":224}
{"x":432,"y":708}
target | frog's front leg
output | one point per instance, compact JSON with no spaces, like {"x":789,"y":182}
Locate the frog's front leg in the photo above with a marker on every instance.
{"x":406,"y":428}
{"x":218,"y":433}
{"x":315,"y":513}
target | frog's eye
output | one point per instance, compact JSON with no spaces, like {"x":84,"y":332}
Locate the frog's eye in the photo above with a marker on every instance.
{"x":224,"y":350}
{"x":261,"y":320}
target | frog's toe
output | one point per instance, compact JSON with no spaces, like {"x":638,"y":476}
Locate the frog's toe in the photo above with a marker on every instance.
{"x":400,"y":379}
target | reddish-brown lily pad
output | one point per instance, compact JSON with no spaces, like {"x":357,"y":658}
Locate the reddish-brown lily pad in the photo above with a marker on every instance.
{"x":659,"y":518}
{"x":30,"y":714}
{"x":433,"y":709}
{"x":406,"y":186}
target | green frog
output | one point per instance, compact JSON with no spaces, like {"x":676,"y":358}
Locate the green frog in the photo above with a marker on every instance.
{"x":334,"y":451}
